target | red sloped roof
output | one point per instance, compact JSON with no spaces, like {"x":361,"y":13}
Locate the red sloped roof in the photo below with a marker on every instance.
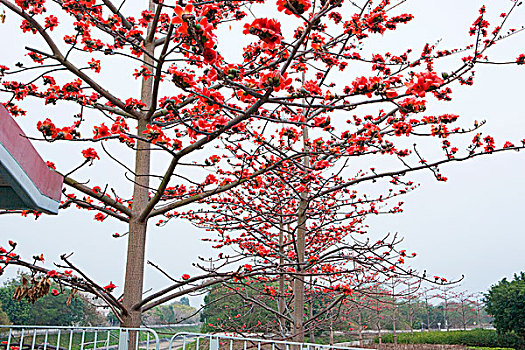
{"x":13,"y":139}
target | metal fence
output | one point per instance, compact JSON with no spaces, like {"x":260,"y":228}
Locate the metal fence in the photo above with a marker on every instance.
{"x":77,"y":338}
{"x":198,"y":341}
{"x":115,"y":338}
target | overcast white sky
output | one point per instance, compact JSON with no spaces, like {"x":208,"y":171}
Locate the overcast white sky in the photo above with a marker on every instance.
{"x":471,"y":225}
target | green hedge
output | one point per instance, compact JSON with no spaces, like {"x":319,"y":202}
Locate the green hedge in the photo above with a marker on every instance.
{"x":475,"y":337}
{"x":486,"y":348}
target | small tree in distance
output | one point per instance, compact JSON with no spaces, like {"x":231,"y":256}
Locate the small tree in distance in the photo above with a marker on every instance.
{"x":215,"y":124}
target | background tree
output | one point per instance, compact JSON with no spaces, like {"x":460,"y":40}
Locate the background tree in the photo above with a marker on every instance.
{"x":173,"y":313}
{"x":4,"y":319}
{"x":55,"y":309}
{"x":505,"y":301}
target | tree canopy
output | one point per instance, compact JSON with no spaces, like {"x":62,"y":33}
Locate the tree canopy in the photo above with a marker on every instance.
{"x":52,"y":309}
{"x":505,"y":301}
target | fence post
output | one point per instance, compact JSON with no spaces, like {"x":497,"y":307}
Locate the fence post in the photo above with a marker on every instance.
{"x":123,"y":340}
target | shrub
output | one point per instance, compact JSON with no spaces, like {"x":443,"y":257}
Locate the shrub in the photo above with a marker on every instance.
{"x":475,"y":337}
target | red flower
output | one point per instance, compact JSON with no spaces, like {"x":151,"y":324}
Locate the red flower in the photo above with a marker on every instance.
{"x":90,"y":154}
{"x":101,"y":131}
{"x":52,"y":273}
{"x":424,"y":82}
{"x":180,"y":18}
{"x":296,"y":7}
{"x":27,"y":27}
{"x":110,"y":287}
{"x":322,"y":121}
{"x":268,"y":30}
{"x":133,"y":103}
{"x":210,"y":55}
{"x":521,"y":59}
{"x":95,"y":65}
{"x":412,"y":105}
{"x":391,"y":93}
{"x":143,"y":72}
{"x":275,"y":80}
{"x":39,"y":257}
{"x":51,"y":22}
{"x":36,"y":57}
{"x":100,"y":217}
{"x":185,"y":276}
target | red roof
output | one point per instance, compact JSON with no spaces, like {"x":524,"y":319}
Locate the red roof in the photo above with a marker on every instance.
{"x":21,"y":162}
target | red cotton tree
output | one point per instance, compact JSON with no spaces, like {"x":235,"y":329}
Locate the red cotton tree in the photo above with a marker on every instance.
{"x":284,"y":104}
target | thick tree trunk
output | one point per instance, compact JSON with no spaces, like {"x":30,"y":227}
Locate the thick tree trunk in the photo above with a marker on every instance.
{"x":282,"y":301}
{"x":134,"y":280}
{"x":311,"y":309}
{"x":300,"y":242}
{"x":298,"y":288}
{"x":134,"y":273}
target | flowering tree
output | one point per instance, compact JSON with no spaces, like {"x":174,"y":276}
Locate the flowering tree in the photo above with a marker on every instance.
{"x":216,"y":123}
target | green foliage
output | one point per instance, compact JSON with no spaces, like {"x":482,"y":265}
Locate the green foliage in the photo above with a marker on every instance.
{"x":171,"y":314}
{"x":176,"y":313}
{"x":485,"y":348}
{"x":49,"y":310}
{"x":4,"y":319}
{"x":475,"y":337}
{"x":226,"y":311}
{"x":506,"y":302}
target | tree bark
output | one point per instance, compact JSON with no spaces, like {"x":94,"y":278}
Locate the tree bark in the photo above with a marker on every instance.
{"x":428,"y":312}
{"x":360,"y":320}
{"x":134,"y":280}
{"x":300,"y":242}
{"x":299,"y":279}
{"x":282,"y":301}
{"x":311,"y":309}
{"x":394,"y":313}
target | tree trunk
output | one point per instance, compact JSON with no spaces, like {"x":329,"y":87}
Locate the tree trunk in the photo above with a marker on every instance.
{"x":300,"y":242}
{"x":360,"y":329}
{"x":446,"y":315}
{"x":463,"y":318}
{"x":428,"y":312}
{"x":282,"y":301}
{"x":331,"y":329}
{"x":298,"y":288}
{"x":134,"y":280}
{"x":311,"y":310}
{"x":394,"y":311}
{"x":378,"y":323}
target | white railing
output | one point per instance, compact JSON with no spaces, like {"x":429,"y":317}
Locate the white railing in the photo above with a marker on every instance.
{"x":198,"y":341}
{"x":77,"y":338}
{"x":115,"y":338}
